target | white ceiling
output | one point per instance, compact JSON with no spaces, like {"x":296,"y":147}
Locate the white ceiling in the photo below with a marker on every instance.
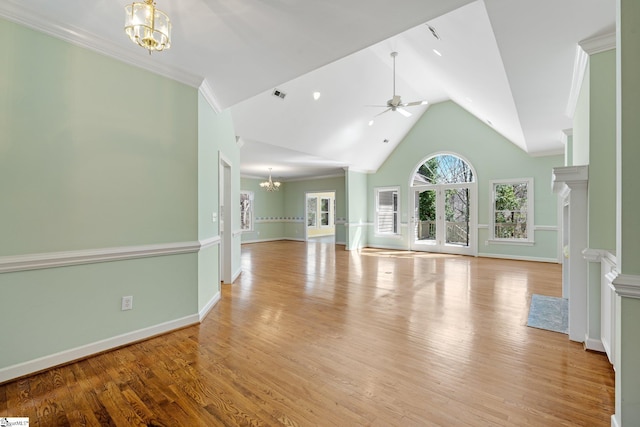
{"x":508,"y":62}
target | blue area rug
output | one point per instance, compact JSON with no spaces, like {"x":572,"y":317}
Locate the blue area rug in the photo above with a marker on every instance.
{"x":550,"y":313}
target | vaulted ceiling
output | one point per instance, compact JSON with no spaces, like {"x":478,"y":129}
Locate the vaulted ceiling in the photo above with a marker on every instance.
{"x":508,"y":62}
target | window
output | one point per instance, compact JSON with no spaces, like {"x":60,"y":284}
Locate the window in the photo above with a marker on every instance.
{"x":324,"y":212}
{"x":512,"y":210}
{"x":387,"y":210}
{"x":246,"y":210}
{"x":312,"y":209}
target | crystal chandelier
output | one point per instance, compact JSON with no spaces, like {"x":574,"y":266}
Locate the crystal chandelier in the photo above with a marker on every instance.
{"x":147,"y":26}
{"x":270,"y":185}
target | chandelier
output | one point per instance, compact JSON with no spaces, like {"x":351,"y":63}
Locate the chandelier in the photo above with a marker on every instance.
{"x":147,"y":26}
{"x":270,"y":185}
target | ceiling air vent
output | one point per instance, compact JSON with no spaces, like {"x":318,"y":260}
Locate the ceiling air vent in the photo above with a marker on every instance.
{"x":279,"y":93}
{"x":434,"y":32}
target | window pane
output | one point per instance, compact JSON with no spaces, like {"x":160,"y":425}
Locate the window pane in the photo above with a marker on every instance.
{"x":510,"y":210}
{"x":387,"y":212}
{"x":312,"y":209}
{"x":246,"y":210}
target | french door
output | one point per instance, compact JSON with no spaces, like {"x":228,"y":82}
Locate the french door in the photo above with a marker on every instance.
{"x":443,"y":218}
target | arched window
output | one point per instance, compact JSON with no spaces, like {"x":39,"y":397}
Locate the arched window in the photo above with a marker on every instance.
{"x":443,"y":169}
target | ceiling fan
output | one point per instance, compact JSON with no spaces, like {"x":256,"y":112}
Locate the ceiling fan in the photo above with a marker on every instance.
{"x":395,"y":103}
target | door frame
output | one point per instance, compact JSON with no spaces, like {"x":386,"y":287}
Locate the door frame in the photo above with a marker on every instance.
{"x":225,"y":223}
{"x":472,"y":249}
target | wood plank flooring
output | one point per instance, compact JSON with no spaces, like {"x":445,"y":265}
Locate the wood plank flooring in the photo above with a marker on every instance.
{"x":311,"y":334}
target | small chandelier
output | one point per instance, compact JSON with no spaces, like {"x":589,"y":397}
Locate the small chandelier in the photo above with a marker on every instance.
{"x":147,"y":26}
{"x":270,"y":185}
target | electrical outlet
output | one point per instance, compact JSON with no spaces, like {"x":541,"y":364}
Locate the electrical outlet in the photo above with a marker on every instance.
{"x":127,"y":303}
{"x":214,"y":216}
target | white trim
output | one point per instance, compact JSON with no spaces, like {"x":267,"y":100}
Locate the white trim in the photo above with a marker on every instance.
{"x":511,"y":242}
{"x":209,"y":306}
{"x":594,"y":344}
{"x":15,"y":263}
{"x":599,"y":44}
{"x":546,"y":153}
{"x":545,"y":228}
{"x":207,"y":93}
{"x":627,"y":285}
{"x":482,"y":226}
{"x":130,"y":54}
{"x":237,"y":233}
{"x":614,"y":421}
{"x":517,"y":257}
{"x":273,"y":239}
{"x":267,"y":221}
{"x":579,"y":68}
{"x":36,"y":365}
{"x":210,"y":241}
{"x":236,"y":274}
{"x":358,"y":224}
{"x":593,"y":255}
{"x":313,"y":178}
{"x":387,"y":247}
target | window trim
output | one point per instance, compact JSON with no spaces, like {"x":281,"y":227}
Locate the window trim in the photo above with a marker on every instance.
{"x":377,"y":192}
{"x":530,"y":212}
{"x":251,"y":195}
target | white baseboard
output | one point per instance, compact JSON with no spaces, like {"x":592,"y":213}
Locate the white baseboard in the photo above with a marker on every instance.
{"x":518,"y":257}
{"x":275,"y":239}
{"x":594,"y":344}
{"x":236,"y":275}
{"x":36,"y":365}
{"x":614,"y":421}
{"x":208,"y":306}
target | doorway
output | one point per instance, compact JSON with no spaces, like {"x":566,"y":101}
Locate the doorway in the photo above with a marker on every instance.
{"x":443,"y":206}
{"x":225,"y":224}
{"x":320,"y":216}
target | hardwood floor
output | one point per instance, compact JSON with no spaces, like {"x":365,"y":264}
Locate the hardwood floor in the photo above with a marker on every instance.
{"x":311,"y":334}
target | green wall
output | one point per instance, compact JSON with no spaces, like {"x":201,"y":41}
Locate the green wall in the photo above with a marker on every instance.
{"x":446,"y":127}
{"x":357,"y":204}
{"x":268,"y":212}
{"x":280,"y":214}
{"x":295,"y":204}
{"x":84,"y":167}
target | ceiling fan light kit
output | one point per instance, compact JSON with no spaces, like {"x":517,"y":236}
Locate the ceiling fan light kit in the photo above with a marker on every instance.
{"x":395,"y":103}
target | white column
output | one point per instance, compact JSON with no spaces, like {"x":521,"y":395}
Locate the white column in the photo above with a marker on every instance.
{"x":572,"y":181}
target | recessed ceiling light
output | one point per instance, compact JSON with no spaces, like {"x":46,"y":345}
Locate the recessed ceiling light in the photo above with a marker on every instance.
{"x":437,"y":52}
{"x":316,"y":95}
{"x":489,"y":123}
{"x":469,"y":100}
{"x":370,"y":122}
{"x":385,"y":141}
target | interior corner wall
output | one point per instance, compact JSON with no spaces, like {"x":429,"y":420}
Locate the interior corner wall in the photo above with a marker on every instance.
{"x":215,"y":135}
{"x":229,"y":151}
{"x":581,"y":123}
{"x":448,"y":128}
{"x":357,"y":221}
{"x":602,"y":172}
{"x":83,"y":169}
{"x":295,"y":204}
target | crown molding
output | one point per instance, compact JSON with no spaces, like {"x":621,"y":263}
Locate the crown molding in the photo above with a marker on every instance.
{"x":579,"y":68}
{"x":207,"y":92}
{"x":599,"y":44}
{"x":84,"y":39}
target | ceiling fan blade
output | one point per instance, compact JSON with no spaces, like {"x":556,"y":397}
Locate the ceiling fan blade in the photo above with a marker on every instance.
{"x":411,"y":104}
{"x":403,"y":112}
{"x":388,"y":109}
{"x":377,"y":106}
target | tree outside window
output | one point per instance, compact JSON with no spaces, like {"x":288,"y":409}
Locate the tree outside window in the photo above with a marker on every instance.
{"x":246,"y":210}
{"x":513,"y":210}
